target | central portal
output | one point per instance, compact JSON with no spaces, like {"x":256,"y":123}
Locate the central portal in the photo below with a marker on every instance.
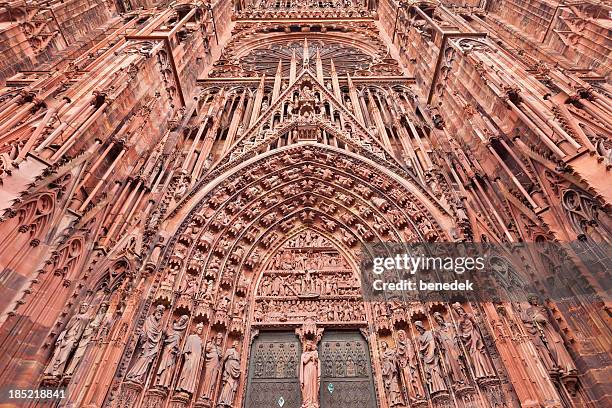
{"x":307,"y":349}
{"x":344,"y":359}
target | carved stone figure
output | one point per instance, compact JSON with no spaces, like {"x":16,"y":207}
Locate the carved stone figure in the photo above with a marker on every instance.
{"x":90,"y":331}
{"x":546,"y":339}
{"x":409,"y":371}
{"x":170,"y":352}
{"x":450,"y":350}
{"x":149,"y":339}
{"x":472,"y":340}
{"x":212,"y":367}
{"x":310,"y":375}
{"x":231,"y":377}
{"x":390,"y":375}
{"x":428,"y":350}
{"x":192,"y":354}
{"x":67,"y":342}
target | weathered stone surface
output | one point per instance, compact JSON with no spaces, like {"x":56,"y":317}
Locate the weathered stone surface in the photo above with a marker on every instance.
{"x":179,"y":178}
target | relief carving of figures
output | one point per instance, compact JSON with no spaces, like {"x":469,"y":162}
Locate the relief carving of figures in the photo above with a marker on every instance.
{"x":67,"y":342}
{"x":170,"y":352}
{"x":231,"y":377}
{"x":189,"y":287}
{"x":409,"y":371}
{"x":428,"y":350}
{"x":212,"y":367}
{"x":472,"y":340}
{"x":310,"y":375}
{"x":90,"y":331}
{"x":450,"y":350}
{"x":192,"y":354}
{"x":390,"y":375}
{"x":150,"y":338}
{"x":546,"y":339}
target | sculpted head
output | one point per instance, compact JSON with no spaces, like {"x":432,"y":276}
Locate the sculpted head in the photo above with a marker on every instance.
{"x":84,"y":307}
{"x":401,"y":334}
{"x":183,"y":319}
{"x":533,"y":299}
{"x":219,"y":339}
{"x":419,"y":326}
{"x":199,"y":328}
{"x":439,"y":318}
{"x":383,"y":346}
{"x":159,"y":311}
{"x":458,"y":308}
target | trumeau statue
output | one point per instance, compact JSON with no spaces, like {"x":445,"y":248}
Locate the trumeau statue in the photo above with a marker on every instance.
{"x":150,"y":338}
{"x":428,"y":350}
{"x":67,"y":341}
{"x":231,"y":377}
{"x":212,"y":367}
{"x":170,"y":352}
{"x":546,"y":339}
{"x":390,"y":375}
{"x":310,"y":375}
{"x":192,"y":354}
{"x":472,"y":340}
{"x":450,"y":350}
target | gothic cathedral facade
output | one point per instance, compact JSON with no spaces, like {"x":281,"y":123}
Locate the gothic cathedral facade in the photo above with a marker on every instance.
{"x":187,"y":187}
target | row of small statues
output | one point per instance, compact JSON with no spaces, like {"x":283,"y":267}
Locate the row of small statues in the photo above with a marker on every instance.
{"x":219,"y":367}
{"x":324,"y":310}
{"x":308,"y":283}
{"x":460,"y":352}
{"x":433,"y":354}
{"x":287,"y":260}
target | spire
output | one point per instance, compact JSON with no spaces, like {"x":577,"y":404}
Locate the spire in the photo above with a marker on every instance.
{"x":306,"y":53}
{"x":258,"y":100}
{"x":278,"y":78}
{"x":292,"y":69}
{"x":354,"y":99}
{"x":319,"y":64}
{"x":335,"y":83}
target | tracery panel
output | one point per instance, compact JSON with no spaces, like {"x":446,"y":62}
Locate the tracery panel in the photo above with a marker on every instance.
{"x":273,"y":371}
{"x":346,"y":372}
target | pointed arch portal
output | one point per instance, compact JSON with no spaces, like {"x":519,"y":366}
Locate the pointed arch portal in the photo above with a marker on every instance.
{"x":278,"y":239}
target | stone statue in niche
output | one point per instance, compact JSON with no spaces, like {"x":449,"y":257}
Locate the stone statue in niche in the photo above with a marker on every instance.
{"x":409,"y":370}
{"x":470,"y":336}
{"x":310,"y":375}
{"x":450,"y":350}
{"x":189,"y":287}
{"x":223,"y":304}
{"x":546,"y":339}
{"x":428,"y":350}
{"x":90,"y":331}
{"x":150,"y":338}
{"x":170,"y":353}
{"x":231,"y":377}
{"x":192,"y":354}
{"x":239,"y":308}
{"x":212,"y":367}
{"x":390,"y":375}
{"x":67,"y":341}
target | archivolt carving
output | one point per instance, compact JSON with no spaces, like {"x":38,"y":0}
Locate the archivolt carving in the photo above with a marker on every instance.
{"x":229,"y":268}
